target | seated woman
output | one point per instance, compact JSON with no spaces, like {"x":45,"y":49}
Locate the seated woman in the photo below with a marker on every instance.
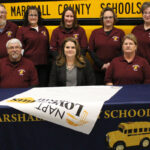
{"x":71,"y":68}
{"x":129,"y":68}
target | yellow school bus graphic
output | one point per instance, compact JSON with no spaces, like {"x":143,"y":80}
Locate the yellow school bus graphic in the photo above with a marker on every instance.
{"x":129,"y":134}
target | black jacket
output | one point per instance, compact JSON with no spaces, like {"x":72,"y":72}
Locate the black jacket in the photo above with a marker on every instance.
{"x":85,"y":76}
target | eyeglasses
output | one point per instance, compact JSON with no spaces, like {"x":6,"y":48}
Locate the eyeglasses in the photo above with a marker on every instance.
{"x":33,"y":15}
{"x":2,"y":12}
{"x":14,"y":47}
{"x":108,"y":17}
{"x":146,"y":13}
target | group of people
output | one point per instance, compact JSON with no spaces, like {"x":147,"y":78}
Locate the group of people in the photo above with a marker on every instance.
{"x":28,"y":58}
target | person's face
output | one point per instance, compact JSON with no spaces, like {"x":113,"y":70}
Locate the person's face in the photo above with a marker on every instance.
{"x":68,"y":19}
{"x":14,"y":51}
{"x":146,"y":15}
{"x":70,"y":49}
{"x":33,"y":17}
{"x":108,"y":19}
{"x":3,"y":14}
{"x":129,"y":46}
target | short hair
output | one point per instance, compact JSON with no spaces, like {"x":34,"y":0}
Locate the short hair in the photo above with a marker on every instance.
{"x":79,"y":60}
{"x":102,"y":15}
{"x":26,"y":22}
{"x":1,"y":5}
{"x":145,"y":6}
{"x":130,"y":36}
{"x":12,"y":41}
{"x":62,"y":23}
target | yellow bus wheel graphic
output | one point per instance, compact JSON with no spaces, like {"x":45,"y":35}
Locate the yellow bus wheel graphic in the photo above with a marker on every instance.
{"x":145,"y":143}
{"x":119,"y":146}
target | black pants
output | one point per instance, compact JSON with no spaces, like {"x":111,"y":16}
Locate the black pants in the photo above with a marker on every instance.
{"x":100,"y":75}
{"x":43,"y":74}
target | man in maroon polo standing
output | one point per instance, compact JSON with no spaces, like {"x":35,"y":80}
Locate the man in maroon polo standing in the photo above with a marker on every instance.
{"x":15,"y":70}
{"x":7,"y":31}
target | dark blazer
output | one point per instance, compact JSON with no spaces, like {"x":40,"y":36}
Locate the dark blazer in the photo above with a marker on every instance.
{"x":85,"y":76}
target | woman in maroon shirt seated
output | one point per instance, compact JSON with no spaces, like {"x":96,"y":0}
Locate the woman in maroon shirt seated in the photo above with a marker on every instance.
{"x":71,"y":68}
{"x":142,"y":33}
{"x":68,"y":28}
{"x":35,"y":40}
{"x":129,"y":68}
{"x":105,"y":44}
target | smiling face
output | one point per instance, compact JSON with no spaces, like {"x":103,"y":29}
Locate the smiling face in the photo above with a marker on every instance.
{"x":3,"y":14}
{"x":108,"y":19}
{"x":129,"y":47}
{"x":14,"y":52}
{"x":69,"y":19}
{"x":146,"y":15}
{"x":70,"y":49}
{"x":33,"y":17}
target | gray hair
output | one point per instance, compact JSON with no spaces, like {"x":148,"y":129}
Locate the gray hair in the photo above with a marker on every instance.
{"x":12,"y":41}
{"x":1,"y":5}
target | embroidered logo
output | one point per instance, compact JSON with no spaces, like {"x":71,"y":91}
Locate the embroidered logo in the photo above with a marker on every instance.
{"x":43,"y":32}
{"x":76,"y":36}
{"x":135,"y":67}
{"x":9,"y":33}
{"x":21,"y":72}
{"x":116,"y":38}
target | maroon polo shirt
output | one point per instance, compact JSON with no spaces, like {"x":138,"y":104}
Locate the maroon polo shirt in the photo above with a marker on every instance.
{"x":35,"y":44}
{"x":143,"y":38}
{"x":59,"y":34}
{"x":8,"y":33}
{"x":121,"y":72}
{"x":106,"y":46}
{"x":20,"y":75}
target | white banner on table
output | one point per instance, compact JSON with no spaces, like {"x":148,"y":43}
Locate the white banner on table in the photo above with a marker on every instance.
{"x":73,"y":107}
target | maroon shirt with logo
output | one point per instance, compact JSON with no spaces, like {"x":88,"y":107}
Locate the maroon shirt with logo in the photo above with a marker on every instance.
{"x":20,"y":75}
{"x":143,"y":38}
{"x":35,"y":44}
{"x":8,"y":33}
{"x":106,"y":46}
{"x":59,"y":34}
{"x":120,"y":72}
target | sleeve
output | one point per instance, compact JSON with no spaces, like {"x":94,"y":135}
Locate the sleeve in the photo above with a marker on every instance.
{"x":83,"y":42}
{"x":146,"y":71}
{"x":20,"y":36}
{"x":92,"y":53}
{"x":33,"y":76}
{"x":53,"y":75}
{"x":15,"y":30}
{"x":109,"y":74}
{"x":54,"y":44}
{"x":89,"y":74}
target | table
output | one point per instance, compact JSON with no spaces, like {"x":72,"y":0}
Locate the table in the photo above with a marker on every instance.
{"x":20,"y":131}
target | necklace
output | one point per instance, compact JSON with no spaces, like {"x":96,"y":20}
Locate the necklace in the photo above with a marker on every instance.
{"x":70,"y":67}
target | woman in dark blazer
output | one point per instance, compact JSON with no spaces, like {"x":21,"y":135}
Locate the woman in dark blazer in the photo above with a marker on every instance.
{"x":71,"y":68}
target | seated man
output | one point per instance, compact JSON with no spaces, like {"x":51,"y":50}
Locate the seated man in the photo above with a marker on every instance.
{"x":16,"y":71}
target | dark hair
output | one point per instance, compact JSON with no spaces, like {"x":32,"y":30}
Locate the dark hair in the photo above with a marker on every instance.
{"x":26,"y":22}
{"x":62,"y":23}
{"x":144,"y":6}
{"x":102,"y":14}
{"x":79,"y":60}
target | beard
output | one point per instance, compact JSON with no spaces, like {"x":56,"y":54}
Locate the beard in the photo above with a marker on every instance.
{"x":2,"y":22}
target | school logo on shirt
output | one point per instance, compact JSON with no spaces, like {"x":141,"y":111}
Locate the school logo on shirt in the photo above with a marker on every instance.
{"x":136,"y":67}
{"x":76,"y":36}
{"x":9,"y":33}
{"x":116,"y":38}
{"x":43,"y":32}
{"x":21,"y":72}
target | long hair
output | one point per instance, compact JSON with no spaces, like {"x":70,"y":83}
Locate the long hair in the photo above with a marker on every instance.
{"x":102,"y":15}
{"x":26,"y":22}
{"x":62,"y":23}
{"x":79,"y":60}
